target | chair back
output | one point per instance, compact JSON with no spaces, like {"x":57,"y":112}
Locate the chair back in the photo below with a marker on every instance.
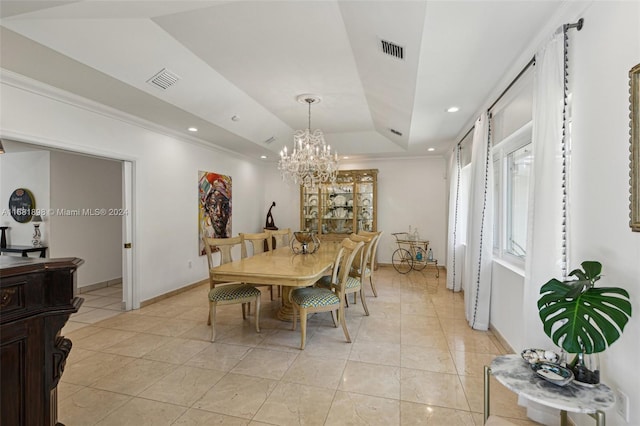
{"x":362,"y":258}
{"x":343,"y":262}
{"x":281,"y":237}
{"x":225,"y":246}
{"x":374,"y":250}
{"x":257,"y":242}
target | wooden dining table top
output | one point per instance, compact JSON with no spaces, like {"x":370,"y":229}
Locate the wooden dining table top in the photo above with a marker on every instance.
{"x":280,"y":267}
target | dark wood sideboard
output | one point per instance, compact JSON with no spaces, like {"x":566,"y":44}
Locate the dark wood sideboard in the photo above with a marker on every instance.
{"x":36,"y":299}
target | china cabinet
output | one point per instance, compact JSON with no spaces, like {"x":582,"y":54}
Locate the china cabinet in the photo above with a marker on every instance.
{"x":335,"y":210}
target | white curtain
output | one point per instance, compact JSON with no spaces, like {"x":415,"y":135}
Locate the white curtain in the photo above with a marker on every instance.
{"x":547,"y":214}
{"x":479,"y":251}
{"x":455,"y":257}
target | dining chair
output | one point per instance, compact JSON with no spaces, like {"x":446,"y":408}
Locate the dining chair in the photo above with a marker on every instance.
{"x":308,"y":300}
{"x":227,"y":293}
{"x":354,"y":281}
{"x":371,"y":265}
{"x":259,"y":243}
{"x":280,"y":238}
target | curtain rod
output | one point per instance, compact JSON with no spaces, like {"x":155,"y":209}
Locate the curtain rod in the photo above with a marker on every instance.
{"x":577,"y":25}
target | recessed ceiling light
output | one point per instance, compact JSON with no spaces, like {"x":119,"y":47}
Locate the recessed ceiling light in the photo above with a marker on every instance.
{"x":192,"y":129}
{"x":263,"y":156}
{"x":453,"y":109}
{"x":431,"y":149}
{"x":345,"y":157}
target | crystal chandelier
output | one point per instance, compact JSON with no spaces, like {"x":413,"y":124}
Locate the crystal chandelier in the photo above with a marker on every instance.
{"x":311,"y":161}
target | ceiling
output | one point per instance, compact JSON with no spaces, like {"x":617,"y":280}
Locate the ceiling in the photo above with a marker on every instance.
{"x":241,"y":64}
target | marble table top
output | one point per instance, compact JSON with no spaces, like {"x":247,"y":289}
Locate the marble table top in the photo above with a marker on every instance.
{"x":515,"y":373}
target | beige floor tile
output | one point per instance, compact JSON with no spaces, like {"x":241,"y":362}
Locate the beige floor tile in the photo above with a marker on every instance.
{"x":329,"y":342}
{"x":143,"y":412}
{"x":219,"y":356}
{"x":195,"y":417}
{"x":310,"y":370}
{"x":65,"y":390}
{"x":430,"y":338}
{"x":95,"y":366}
{"x":177,"y":351}
{"x":99,"y":301}
{"x":129,"y":322}
{"x":183,"y":385}
{"x":95,"y":315}
{"x":479,"y":342}
{"x":265,"y":363}
{"x":426,"y":358}
{"x":89,"y":406}
{"x":134,"y":377}
{"x":83,"y":332}
{"x":292,"y":403}
{"x":107,"y":291}
{"x":171,"y":326}
{"x":103,"y":338}
{"x":356,"y":409}
{"x":285,"y":340}
{"x":371,"y":379}
{"x":376,"y":353}
{"x":163,"y":310}
{"x":503,"y":401}
{"x":427,"y":387}
{"x":244,"y":334}
{"x":479,"y":420}
{"x":237,"y":395}
{"x":138,"y":345}
{"x":71,"y":326}
{"x":380,"y":330}
{"x":471,"y":363}
{"x":412,"y":414}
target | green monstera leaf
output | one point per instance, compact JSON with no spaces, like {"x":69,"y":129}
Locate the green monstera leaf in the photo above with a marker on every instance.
{"x":579,"y":317}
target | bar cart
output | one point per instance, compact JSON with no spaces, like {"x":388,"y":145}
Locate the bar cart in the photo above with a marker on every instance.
{"x":411,"y":254}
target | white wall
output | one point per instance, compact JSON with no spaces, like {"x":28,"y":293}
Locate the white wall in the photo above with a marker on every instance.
{"x":28,"y":170}
{"x":410,"y":192}
{"x":166,"y":178}
{"x":602,"y":55}
{"x":80,"y":182}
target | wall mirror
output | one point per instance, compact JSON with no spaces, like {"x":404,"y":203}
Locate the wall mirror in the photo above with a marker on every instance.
{"x":634,"y":82}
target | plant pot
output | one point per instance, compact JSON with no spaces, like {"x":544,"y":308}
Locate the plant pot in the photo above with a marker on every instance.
{"x":586,"y":369}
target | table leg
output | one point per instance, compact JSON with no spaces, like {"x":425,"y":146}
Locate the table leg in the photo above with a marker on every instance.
{"x":599,"y":416}
{"x":487,"y":396}
{"x":564,"y":421}
{"x":286,"y":310}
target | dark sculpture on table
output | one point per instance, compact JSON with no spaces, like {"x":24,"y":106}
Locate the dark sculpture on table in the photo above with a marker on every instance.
{"x":270,"y":224}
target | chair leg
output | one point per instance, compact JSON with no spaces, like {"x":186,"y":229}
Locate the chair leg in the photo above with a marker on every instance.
{"x":271,"y":292}
{"x":343,"y":320}
{"x":355,"y":298}
{"x":333,"y":317}
{"x":303,"y":328}
{"x":364,"y":301}
{"x":258,"y":314}
{"x":373,"y":287}
{"x":212,"y":316}
{"x":294,"y":308}
{"x":244,"y":315}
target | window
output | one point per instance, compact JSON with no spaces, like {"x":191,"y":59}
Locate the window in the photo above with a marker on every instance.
{"x":513,"y":160}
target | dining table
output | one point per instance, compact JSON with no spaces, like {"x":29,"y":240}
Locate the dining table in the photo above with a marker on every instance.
{"x":281,"y":267}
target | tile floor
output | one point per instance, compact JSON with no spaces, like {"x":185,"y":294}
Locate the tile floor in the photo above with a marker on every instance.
{"x":413,"y":361}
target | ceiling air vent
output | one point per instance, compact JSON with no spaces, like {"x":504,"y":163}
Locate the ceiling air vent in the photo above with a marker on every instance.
{"x":392,"y":49}
{"x":396,"y":132}
{"x":270,"y":140}
{"x":163,"y":79}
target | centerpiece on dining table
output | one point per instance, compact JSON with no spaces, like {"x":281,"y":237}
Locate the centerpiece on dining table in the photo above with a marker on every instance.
{"x":305,"y":242}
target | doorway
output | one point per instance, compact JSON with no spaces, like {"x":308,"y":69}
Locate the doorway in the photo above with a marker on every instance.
{"x":90,"y":207}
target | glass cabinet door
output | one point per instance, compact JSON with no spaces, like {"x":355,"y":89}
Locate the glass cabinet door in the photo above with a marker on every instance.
{"x":366,"y":202}
{"x":335,"y":210}
{"x":310,"y":211}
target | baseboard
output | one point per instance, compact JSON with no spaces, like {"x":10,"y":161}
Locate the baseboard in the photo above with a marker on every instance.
{"x":172,"y":293}
{"x":96,"y":286}
{"x":501,"y":339}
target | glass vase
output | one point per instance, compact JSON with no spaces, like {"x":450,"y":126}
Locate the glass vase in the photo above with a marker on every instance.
{"x":586,"y":369}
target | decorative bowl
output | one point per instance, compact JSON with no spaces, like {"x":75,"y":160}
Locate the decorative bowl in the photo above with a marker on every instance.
{"x":535,"y":355}
{"x":304,"y":242}
{"x":554,"y":373}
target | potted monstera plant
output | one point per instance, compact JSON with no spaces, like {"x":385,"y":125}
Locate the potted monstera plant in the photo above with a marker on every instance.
{"x":583,"y":319}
